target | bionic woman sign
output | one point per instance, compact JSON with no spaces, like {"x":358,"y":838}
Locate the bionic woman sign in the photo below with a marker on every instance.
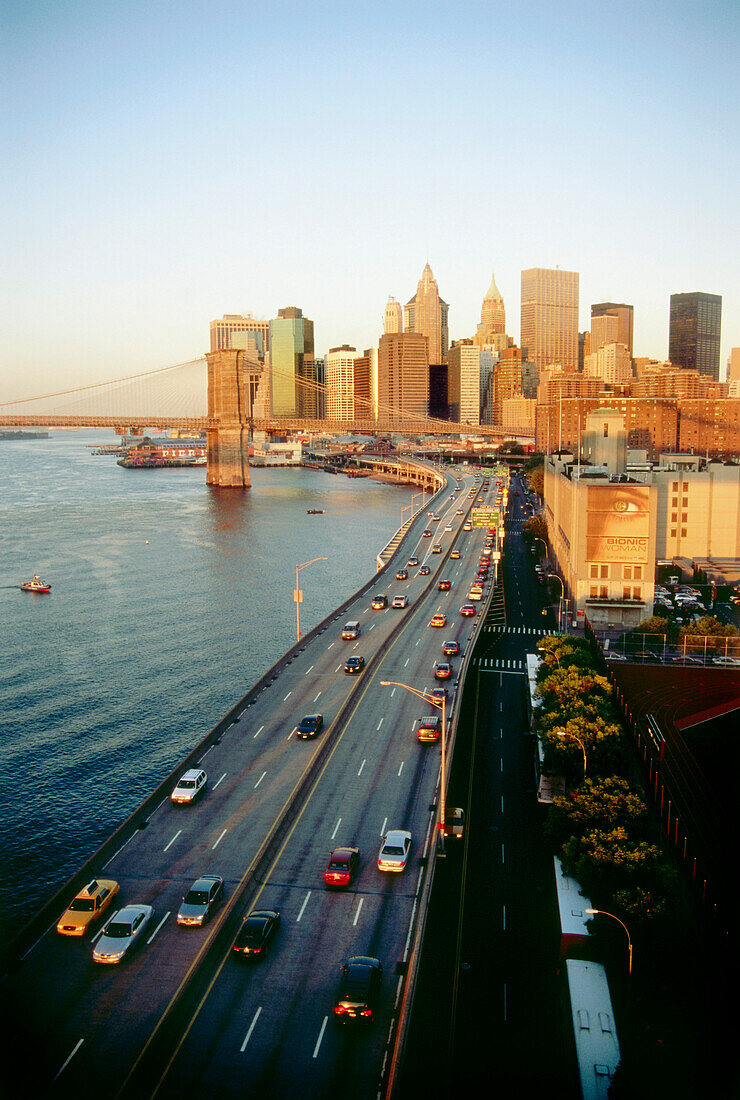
{"x":618,"y":523}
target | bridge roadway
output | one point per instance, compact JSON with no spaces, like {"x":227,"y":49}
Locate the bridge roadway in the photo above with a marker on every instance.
{"x":181,"y":1015}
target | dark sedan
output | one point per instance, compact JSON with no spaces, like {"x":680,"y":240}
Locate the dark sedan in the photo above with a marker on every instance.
{"x":310,"y":726}
{"x":354,"y":664}
{"x":358,"y":989}
{"x":342,"y":867}
{"x":256,"y":933}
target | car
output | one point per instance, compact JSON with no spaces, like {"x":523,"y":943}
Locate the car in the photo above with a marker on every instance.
{"x":475,"y":593}
{"x":439,"y":693}
{"x":342,"y":867}
{"x":189,"y":786}
{"x":735,"y":599}
{"x":454,"y":822}
{"x":438,"y":619}
{"x":442,"y":670}
{"x":256,"y":933}
{"x":424,"y":571}
{"x":87,"y":907}
{"x":354,"y":664}
{"x":467,"y":526}
{"x":431,"y":513}
{"x":611,"y":655}
{"x":448,"y":527}
{"x":201,"y":899}
{"x":427,"y":534}
{"x":122,"y":932}
{"x":685,"y":659}
{"x":379,"y":602}
{"x":451,"y":648}
{"x":645,"y":655}
{"x":402,"y":575}
{"x":455,"y":554}
{"x":481,"y":576}
{"x":400,"y":601}
{"x":726,"y":661}
{"x":479,"y":500}
{"x":467,"y":609}
{"x":358,"y":991}
{"x":437,"y":548}
{"x":459,"y":512}
{"x":444,"y":585}
{"x":412,"y":562}
{"x":310,"y":726}
{"x":394,"y":850}
{"x":486,"y":551}
{"x":436,"y":519}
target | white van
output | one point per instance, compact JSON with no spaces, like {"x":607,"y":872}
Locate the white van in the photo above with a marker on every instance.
{"x":351,"y":630}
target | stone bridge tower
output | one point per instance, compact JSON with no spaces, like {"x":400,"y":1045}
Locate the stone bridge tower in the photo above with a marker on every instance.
{"x":233,"y":379}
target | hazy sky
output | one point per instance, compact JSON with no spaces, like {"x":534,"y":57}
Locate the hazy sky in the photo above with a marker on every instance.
{"x":164,"y":163}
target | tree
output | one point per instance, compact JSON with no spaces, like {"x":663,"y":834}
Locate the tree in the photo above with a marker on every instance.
{"x":535,"y":528}
{"x":632,"y":875}
{"x":536,"y":479}
{"x":571,"y":691}
{"x":562,"y":651}
{"x":602,"y":740}
{"x":718,"y":635}
{"x":597,"y":804}
{"x":656,"y":624}
{"x":536,"y":459}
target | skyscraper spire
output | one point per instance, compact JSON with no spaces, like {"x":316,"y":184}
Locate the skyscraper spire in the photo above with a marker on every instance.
{"x":426,"y":313}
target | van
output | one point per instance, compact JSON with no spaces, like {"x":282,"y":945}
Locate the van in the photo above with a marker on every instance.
{"x":351,"y":630}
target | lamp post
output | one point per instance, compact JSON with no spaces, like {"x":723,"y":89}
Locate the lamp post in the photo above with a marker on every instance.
{"x":441,"y":704}
{"x":405,"y":508}
{"x":573,"y":737}
{"x":556,"y":577}
{"x":603,"y":912}
{"x":298,"y":595}
{"x":547,"y":552}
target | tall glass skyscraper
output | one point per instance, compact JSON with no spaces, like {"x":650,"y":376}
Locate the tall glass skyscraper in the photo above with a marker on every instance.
{"x":549,"y":312}
{"x":291,"y":349}
{"x":694,"y":332}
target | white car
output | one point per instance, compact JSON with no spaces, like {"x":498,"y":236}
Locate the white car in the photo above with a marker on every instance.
{"x":734,"y":661}
{"x":448,"y":527}
{"x":400,"y":601}
{"x":394,"y":851}
{"x":122,"y":931}
{"x":189,"y":786}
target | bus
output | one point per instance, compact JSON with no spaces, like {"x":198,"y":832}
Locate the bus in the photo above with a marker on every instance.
{"x":548,"y":786}
{"x":572,"y":906}
{"x":593,"y":1027}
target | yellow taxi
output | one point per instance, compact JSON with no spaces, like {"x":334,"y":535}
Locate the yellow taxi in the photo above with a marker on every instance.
{"x":438,"y":619}
{"x":91,"y":902}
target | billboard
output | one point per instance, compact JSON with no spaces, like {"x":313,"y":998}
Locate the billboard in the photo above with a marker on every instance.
{"x":618,"y":523}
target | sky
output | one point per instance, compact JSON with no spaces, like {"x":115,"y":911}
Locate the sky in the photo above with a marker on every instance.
{"x":164,"y":163}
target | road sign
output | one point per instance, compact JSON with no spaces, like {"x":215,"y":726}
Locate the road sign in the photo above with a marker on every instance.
{"x":485,"y":517}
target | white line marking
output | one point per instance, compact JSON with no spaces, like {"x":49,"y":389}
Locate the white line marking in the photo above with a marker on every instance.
{"x":205,"y":754}
{"x":321,"y":1036}
{"x":292,"y":732}
{"x":117,"y":853}
{"x":248,"y":1036}
{"x":401,"y":768}
{"x":164,"y":918}
{"x":380,"y":723}
{"x":502,"y":765}
{"x":407,"y":661}
{"x":505,"y":1006}
{"x":223,"y":834}
{"x":259,"y":731}
{"x":288,"y":695}
{"x":382,"y":830}
{"x":502,"y":803}
{"x":371,"y":626}
{"x":307,"y":671}
{"x":336,"y":828}
{"x":173,"y":840}
{"x":330,"y":645}
{"x":337,"y":668}
{"x":317,"y":697}
{"x":503,"y":926}
{"x":259,"y":781}
{"x":359,"y":906}
{"x":219,"y":780}
{"x":77,"y":1047}
{"x":362,"y":765}
{"x":305,"y":903}
{"x":503,"y":859}
{"x":393,"y":692}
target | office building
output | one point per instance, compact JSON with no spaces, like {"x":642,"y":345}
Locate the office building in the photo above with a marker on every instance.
{"x":340,"y":382}
{"x":625,"y":316}
{"x":463,"y":383}
{"x":291,"y":344}
{"x":438,"y":403}
{"x":221,"y":332}
{"x":549,"y":317}
{"x":393,"y":321}
{"x":403,"y":375}
{"x":694,"y":332}
{"x":426,"y":315}
{"x":492,"y":316}
{"x":733,"y":372}
{"x":610,"y":362}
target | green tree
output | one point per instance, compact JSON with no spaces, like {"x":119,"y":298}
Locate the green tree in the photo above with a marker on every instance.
{"x":719,"y":635}
{"x":598,"y":804}
{"x":656,"y":624}
{"x":535,"y":528}
{"x":572,"y":690}
{"x":609,"y":864}
{"x":562,"y":651}
{"x":536,"y":479}
{"x":602,"y":740}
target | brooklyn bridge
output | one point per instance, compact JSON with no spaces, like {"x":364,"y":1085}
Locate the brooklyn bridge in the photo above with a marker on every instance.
{"x":226,"y":394}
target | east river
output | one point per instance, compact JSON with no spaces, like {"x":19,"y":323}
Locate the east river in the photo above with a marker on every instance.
{"x":168,"y":601}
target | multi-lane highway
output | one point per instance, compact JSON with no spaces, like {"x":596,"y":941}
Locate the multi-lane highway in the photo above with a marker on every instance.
{"x":182,"y":1015}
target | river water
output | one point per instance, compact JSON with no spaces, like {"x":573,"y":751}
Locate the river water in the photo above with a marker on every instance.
{"x":168,"y":601}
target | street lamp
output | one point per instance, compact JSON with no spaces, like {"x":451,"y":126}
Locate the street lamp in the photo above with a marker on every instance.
{"x":565,"y":733}
{"x":441,"y":704}
{"x":556,"y":577}
{"x":603,"y":912}
{"x":538,"y":539}
{"x":298,"y":595}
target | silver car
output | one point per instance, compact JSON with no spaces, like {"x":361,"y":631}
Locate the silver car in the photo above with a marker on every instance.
{"x":189,"y":786}
{"x":122,"y":931}
{"x":201,"y":900}
{"x":394,"y":851}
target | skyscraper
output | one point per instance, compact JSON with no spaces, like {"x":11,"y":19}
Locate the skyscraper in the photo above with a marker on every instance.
{"x":340,"y":382}
{"x":403,"y":375}
{"x":625,"y":322}
{"x":426,"y":314}
{"x":393,"y":321}
{"x":463,"y":383}
{"x":492,"y":316}
{"x":694,"y":332}
{"x":550,"y":316}
{"x":222,"y":331}
{"x":291,"y":344}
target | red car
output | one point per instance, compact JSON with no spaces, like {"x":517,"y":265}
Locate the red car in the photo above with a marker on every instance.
{"x":467,"y":609}
{"x":342,"y":867}
{"x":451,"y":649}
{"x":442,"y":671}
{"x":444,"y":586}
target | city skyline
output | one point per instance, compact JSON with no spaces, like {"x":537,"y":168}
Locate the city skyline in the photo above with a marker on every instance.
{"x":162,"y":173}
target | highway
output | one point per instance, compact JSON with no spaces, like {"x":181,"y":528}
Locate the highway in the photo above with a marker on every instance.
{"x":182,"y":1015}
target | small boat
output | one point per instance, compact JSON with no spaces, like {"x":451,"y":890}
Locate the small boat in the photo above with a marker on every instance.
{"x":314,"y":511}
{"x":35,"y":585}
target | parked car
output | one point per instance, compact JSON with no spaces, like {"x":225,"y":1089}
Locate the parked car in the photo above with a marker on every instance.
{"x":728,"y":662}
{"x":189,"y":786}
{"x":201,"y":900}
{"x":394,"y":850}
{"x":310,"y":726}
{"x":256,"y":933}
{"x":342,"y":867}
{"x":359,"y":987}
{"x":645,"y":655}
{"x":122,"y":932}
{"x":87,"y":907}
{"x":612,"y":655}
